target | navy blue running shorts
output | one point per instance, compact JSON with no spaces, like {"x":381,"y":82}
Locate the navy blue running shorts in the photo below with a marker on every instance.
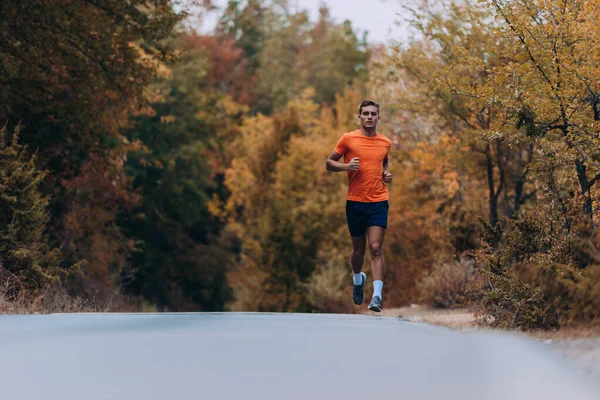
{"x":361,"y":215}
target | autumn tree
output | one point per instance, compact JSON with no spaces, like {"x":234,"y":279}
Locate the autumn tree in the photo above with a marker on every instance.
{"x":430,"y":75}
{"x":542,"y":269}
{"x":73,"y":72}
{"x":547,"y":83}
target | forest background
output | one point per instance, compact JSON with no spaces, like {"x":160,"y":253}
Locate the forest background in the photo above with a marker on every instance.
{"x":145,"y":166}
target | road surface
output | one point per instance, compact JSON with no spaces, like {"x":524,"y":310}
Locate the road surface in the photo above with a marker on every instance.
{"x":272,"y":356}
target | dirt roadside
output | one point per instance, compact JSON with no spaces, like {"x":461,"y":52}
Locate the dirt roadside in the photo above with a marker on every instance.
{"x":581,"y":345}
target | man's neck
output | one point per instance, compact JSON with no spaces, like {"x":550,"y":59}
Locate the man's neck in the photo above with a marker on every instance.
{"x":368,"y":132}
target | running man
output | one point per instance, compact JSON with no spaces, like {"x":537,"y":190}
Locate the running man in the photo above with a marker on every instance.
{"x":365,"y":153}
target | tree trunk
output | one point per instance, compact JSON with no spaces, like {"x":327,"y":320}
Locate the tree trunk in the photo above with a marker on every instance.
{"x":583,"y":183}
{"x":520,"y":185}
{"x":493,"y":199}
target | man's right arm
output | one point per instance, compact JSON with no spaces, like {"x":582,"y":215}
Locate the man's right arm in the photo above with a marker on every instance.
{"x":334,"y":165}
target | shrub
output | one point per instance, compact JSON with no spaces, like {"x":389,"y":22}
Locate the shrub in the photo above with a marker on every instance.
{"x":447,"y":283}
{"x":538,"y":275}
{"x":573,"y":291}
{"x":330,"y":286}
{"x":510,"y":302}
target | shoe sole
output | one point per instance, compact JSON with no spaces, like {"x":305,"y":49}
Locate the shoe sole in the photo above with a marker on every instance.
{"x":363,"y":288}
{"x":375,"y":308}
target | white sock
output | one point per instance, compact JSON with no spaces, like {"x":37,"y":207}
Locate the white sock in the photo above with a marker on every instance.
{"x":377,"y":286}
{"x":358,"y":278}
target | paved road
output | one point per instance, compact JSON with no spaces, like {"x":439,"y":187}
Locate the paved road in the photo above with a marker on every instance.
{"x":271,"y":356}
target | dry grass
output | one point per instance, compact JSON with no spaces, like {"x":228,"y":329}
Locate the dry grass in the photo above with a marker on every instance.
{"x":572,"y":332}
{"x":459,"y":318}
{"x":16,"y":299}
{"x":464,"y":319}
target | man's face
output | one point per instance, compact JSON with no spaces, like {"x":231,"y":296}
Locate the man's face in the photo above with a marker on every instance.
{"x":369,"y":117}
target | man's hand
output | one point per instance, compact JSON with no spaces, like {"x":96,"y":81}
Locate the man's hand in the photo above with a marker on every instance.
{"x":387,"y":176}
{"x":354,"y":164}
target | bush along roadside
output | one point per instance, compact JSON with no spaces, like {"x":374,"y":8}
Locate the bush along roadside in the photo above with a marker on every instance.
{"x":537,"y":277}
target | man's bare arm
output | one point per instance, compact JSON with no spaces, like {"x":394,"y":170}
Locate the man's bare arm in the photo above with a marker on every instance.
{"x":387,"y":175}
{"x":334,"y":165}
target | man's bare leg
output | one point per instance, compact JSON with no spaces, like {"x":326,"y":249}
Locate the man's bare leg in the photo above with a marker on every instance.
{"x":357,"y":259}
{"x":376,"y":235}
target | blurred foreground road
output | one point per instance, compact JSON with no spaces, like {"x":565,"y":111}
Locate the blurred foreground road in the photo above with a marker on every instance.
{"x":272,"y":356}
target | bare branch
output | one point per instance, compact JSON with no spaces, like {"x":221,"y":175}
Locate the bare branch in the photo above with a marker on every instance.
{"x":592,"y":181}
{"x":522,"y":40}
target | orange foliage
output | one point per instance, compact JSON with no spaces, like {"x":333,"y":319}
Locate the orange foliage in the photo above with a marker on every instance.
{"x":227,"y":70}
{"x":89,"y":229}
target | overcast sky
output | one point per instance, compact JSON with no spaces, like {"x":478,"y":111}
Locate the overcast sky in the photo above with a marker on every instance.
{"x":377,"y":17}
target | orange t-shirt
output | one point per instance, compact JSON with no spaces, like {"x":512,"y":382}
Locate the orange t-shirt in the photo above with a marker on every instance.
{"x":365,"y":184}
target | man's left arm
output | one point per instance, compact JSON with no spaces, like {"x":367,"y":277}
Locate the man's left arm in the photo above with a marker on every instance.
{"x":387,"y":176}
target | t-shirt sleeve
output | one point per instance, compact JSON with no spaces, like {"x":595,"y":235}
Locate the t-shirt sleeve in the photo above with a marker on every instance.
{"x":341,"y":146}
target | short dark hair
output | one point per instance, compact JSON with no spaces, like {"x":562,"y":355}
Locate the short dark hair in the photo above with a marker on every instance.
{"x":366,"y":103}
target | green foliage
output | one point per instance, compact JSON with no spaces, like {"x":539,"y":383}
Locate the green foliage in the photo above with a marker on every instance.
{"x":24,"y":247}
{"x":171,"y":270}
{"x":176,"y":263}
{"x":246,"y":25}
{"x":297,"y":55}
{"x":286,"y":53}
